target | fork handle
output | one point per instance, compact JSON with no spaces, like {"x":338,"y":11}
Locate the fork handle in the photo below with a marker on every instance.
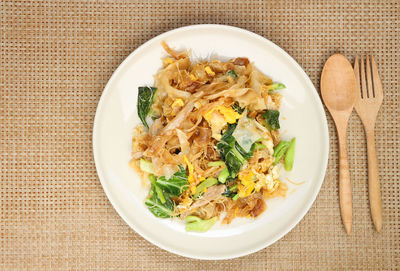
{"x":373,"y":181}
{"x":345,"y":198}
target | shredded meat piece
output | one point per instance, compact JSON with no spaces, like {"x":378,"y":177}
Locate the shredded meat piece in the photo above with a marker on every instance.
{"x":241,"y":61}
{"x":213,"y":193}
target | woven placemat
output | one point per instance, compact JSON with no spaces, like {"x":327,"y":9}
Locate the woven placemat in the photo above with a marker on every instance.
{"x":55,"y":59}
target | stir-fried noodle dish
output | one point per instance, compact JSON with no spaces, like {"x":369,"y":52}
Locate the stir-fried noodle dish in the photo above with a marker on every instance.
{"x":209,"y":146}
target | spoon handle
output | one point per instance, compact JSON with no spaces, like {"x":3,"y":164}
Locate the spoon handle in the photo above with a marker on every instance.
{"x":346,"y":205}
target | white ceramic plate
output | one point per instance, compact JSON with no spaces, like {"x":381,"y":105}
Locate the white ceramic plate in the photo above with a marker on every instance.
{"x":302,"y":116}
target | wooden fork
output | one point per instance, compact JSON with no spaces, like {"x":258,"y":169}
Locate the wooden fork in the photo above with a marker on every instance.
{"x":367,"y":106}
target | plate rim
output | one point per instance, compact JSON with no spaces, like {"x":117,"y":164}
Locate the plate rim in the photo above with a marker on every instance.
{"x":325,"y":140}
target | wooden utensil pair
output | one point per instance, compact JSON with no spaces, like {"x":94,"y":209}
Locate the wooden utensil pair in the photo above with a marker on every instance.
{"x":340,"y":89}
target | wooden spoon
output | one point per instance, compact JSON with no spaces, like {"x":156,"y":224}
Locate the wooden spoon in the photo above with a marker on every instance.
{"x":339,"y":92}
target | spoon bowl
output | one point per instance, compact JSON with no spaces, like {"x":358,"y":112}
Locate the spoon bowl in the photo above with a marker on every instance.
{"x":338,"y":84}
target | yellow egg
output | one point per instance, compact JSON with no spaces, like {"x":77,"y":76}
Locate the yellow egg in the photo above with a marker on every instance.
{"x":177,"y":102}
{"x":246,"y":185}
{"x":193,"y":77}
{"x":209,"y":71}
{"x":191,"y":174}
{"x":229,"y":114}
{"x":167,"y":61}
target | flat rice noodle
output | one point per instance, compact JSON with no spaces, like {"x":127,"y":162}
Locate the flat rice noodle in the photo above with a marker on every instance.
{"x":163,"y":169}
{"x":158,"y":143}
{"x":172,"y":52}
{"x":169,"y":158}
{"x":183,"y":141}
{"x":182,"y":115}
{"x":231,"y":92}
{"x":175,"y":93}
{"x":214,"y":87}
{"x":191,"y":122}
{"x":164,"y":78}
{"x":202,"y":135}
{"x":251,"y":99}
{"x":258,"y":80}
{"x":179,"y":118}
{"x":156,"y":127}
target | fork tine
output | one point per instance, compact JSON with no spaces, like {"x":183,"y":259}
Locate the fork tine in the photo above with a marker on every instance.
{"x":377,"y":80}
{"x":364,"y":90}
{"x":369,"y":79}
{"x":357,"y":74}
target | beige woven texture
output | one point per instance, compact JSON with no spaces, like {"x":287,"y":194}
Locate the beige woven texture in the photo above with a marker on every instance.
{"x":56,"y":58}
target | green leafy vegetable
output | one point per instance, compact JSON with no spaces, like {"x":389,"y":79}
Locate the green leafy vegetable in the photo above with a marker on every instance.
{"x":259,"y":146}
{"x":146,"y":166}
{"x":195,"y":223}
{"x":246,"y":155}
{"x":230,"y":191}
{"x":145,"y":100}
{"x":176,"y":185}
{"x":237,"y":108}
{"x":215,"y":163}
{"x":289,"y":157}
{"x":231,"y":153}
{"x":153,"y":114}
{"x":152,"y":178}
{"x":280,"y":150}
{"x":232,"y":73}
{"x":271,"y":119}
{"x":223,"y":175}
{"x":160,"y":194}
{"x":236,"y":197}
{"x":233,"y":187}
{"x":276,"y":86}
{"x":205,"y":184}
{"x":158,"y":204}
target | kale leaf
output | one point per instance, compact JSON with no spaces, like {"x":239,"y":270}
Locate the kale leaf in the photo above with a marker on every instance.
{"x":272,"y":119}
{"x":155,"y":205}
{"x":237,"y":108}
{"x":232,"y":73}
{"x":144,"y":102}
{"x":176,"y":185}
{"x":231,"y":153}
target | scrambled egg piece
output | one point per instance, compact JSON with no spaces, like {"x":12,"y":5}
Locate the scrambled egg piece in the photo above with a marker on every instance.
{"x":230,"y":115}
{"x":216,"y":121}
{"x":269,"y":181}
{"x":177,"y":102}
{"x":193,"y":77}
{"x":209,"y":71}
{"x":168,"y":61}
{"x":191,"y":178}
{"x":246,"y":185}
{"x":218,"y":117}
{"x":190,"y":168}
